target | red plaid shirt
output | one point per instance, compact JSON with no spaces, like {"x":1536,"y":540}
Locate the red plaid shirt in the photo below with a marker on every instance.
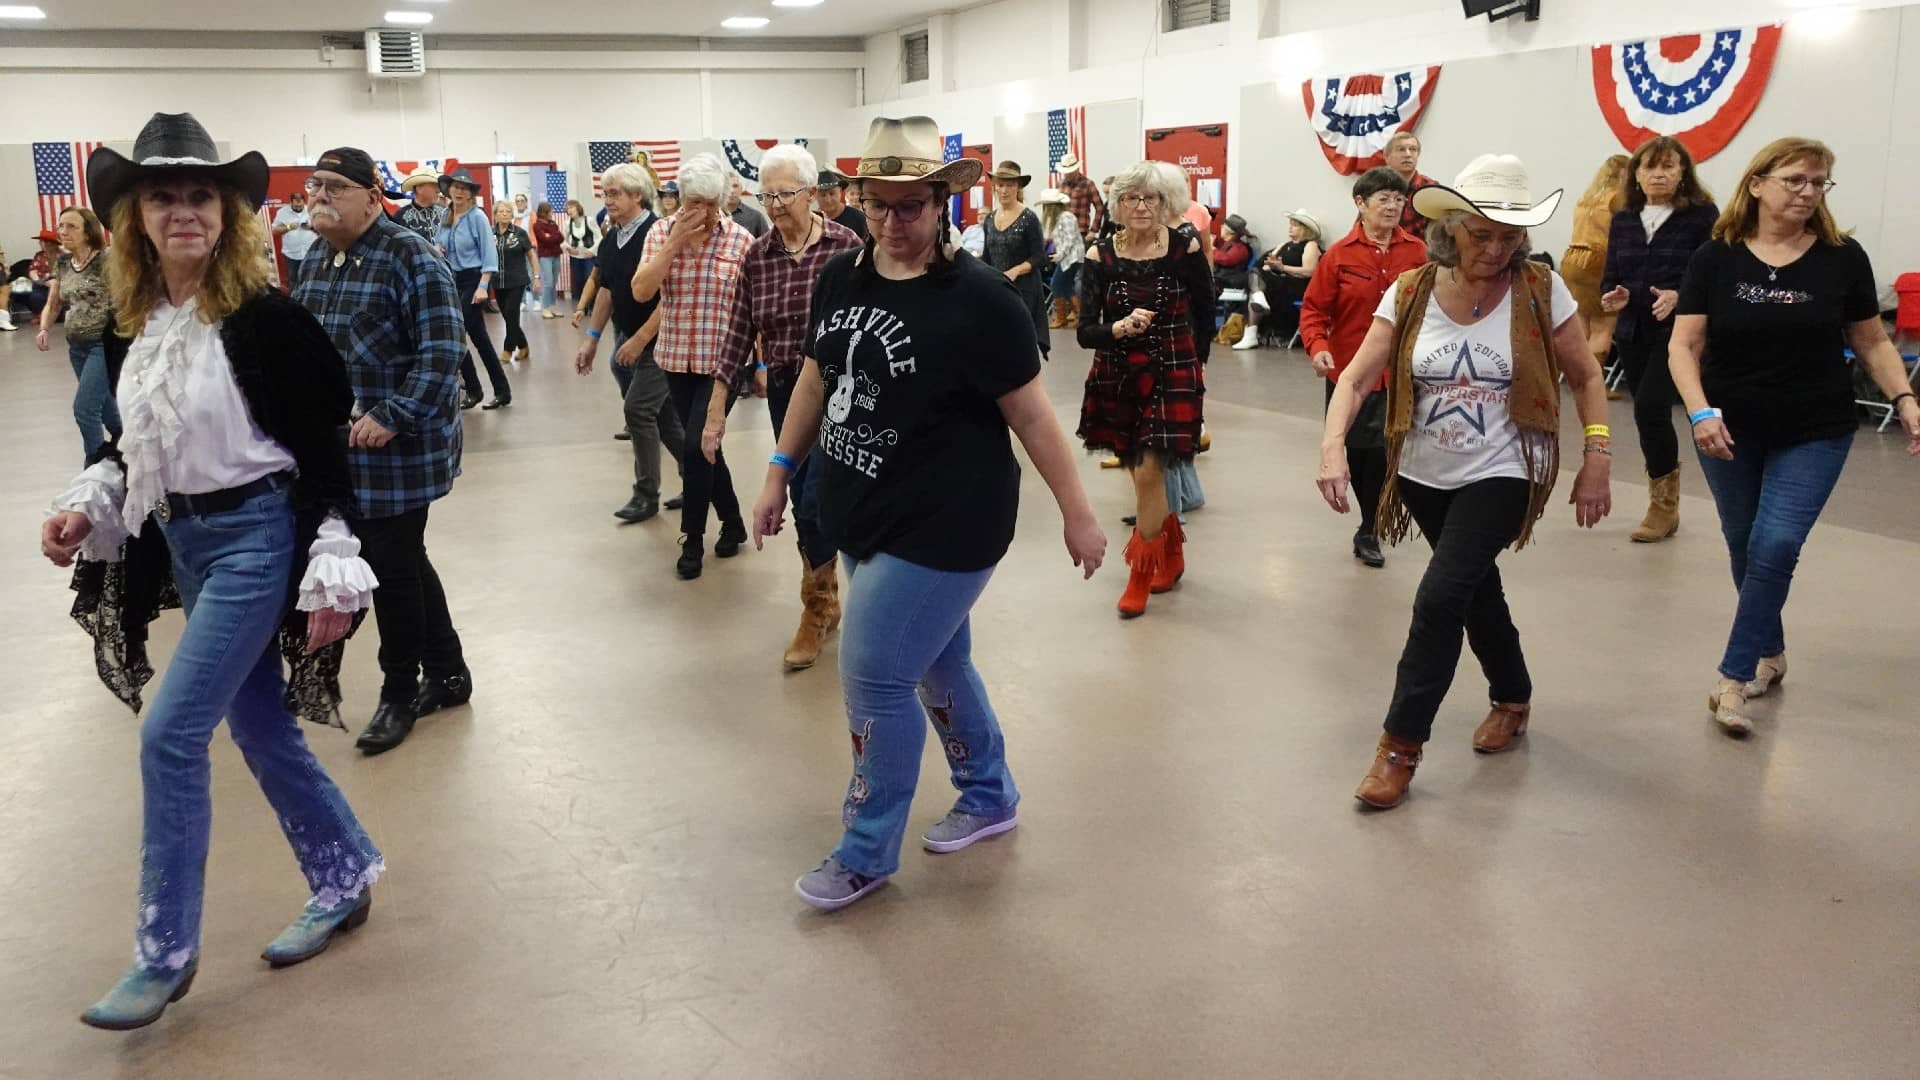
{"x":1083,"y":198}
{"x":696,"y":298}
{"x":773,"y":303}
{"x":1410,"y":219}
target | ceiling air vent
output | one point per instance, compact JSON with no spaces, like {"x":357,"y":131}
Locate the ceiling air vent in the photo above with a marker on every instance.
{"x":396,"y":54}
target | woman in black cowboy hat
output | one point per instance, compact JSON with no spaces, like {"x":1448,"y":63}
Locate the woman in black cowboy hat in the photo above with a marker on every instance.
{"x":1016,"y":245}
{"x":232,"y":473}
{"x":468,"y":242}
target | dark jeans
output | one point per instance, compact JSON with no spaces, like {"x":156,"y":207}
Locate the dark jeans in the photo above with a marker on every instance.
{"x":510,"y":301}
{"x":653,"y":421}
{"x":1367,"y":460}
{"x":1768,"y":501}
{"x":705,"y":484}
{"x":466,"y":283}
{"x":1066,"y":282}
{"x":578,"y":270}
{"x":803,"y":487}
{"x":1654,"y":397}
{"x":416,"y":631}
{"x":1460,"y":593}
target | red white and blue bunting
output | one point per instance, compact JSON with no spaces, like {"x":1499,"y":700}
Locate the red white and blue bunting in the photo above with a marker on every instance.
{"x":1355,"y":116}
{"x":745,"y":158}
{"x":1698,"y":88}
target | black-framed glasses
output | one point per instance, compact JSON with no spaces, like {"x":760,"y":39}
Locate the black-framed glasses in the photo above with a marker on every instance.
{"x":1131,"y":199}
{"x":906,"y":211}
{"x":779,"y":198}
{"x":333,"y":188}
{"x":1798,"y":184}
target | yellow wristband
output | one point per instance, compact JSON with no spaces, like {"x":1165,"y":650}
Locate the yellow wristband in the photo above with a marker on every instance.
{"x":1599,"y":430}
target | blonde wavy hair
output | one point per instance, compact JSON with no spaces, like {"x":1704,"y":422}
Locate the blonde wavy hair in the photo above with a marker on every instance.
{"x":1741,"y":218}
{"x":237,"y":273}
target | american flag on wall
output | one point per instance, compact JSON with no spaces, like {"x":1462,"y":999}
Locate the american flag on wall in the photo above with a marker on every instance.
{"x":605,"y":155}
{"x":557,"y":191}
{"x":1066,"y":134}
{"x":60,"y":177}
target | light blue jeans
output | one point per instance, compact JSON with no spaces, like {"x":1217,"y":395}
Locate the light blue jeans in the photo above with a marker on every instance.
{"x":906,"y":662}
{"x":233,"y":570}
{"x":549,"y":279}
{"x":1768,"y":501}
{"x":93,"y":404}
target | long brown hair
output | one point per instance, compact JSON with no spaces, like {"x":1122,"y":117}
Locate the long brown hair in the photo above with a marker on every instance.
{"x":1691,"y":191}
{"x":1741,"y":219}
{"x":236,"y":274}
{"x":1608,"y":184}
{"x":90,"y":226}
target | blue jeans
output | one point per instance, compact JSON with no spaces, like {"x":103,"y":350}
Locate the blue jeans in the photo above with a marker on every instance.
{"x":549,"y":279}
{"x":1066,"y":282}
{"x":803,"y":487}
{"x":905,"y":662}
{"x":1768,"y":501}
{"x":234,"y":572}
{"x":93,"y":404}
{"x":578,"y":271}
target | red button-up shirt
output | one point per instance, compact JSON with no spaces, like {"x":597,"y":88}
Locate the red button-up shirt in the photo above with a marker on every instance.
{"x":773,"y":302}
{"x":1346,"y":289}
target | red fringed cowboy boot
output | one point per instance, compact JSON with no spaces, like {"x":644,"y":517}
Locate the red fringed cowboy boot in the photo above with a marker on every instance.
{"x":1145,"y":558}
{"x":1174,"y":566}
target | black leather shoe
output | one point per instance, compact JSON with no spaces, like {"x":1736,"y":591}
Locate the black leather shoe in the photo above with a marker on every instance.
{"x":637,"y":510}
{"x":390,"y":726}
{"x":677,"y":502}
{"x":1367,"y":549}
{"x":692,"y":555}
{"x":732,"y":535}
{"x":497,"y":403}
{"x":448,"y":693}
{"x":1130,"y":520}
{"x":469,"y":401}
{"x":623,"y":435}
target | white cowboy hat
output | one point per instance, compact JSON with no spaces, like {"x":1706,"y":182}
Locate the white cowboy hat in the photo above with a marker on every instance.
{"x":1051,"y":196}
{"x":1492,"y":186}
{"x":907,"y":151}
{"x":1068,"y":164}
{"x":1307,"y":221}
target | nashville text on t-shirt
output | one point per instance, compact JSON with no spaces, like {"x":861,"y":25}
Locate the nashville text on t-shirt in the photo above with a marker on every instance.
{"x":856,"y":443}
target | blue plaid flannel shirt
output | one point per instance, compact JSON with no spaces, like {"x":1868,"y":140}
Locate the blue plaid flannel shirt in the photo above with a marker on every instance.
{"x":391,"y":310}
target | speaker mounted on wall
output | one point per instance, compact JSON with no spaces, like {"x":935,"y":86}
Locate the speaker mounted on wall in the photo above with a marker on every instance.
{"x":1495,"y":10}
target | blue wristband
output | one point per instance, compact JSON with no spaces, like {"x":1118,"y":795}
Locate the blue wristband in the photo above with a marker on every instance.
{"x":592,"y":333}
{"x":1705,"y":414}
{"x":784,"y":462}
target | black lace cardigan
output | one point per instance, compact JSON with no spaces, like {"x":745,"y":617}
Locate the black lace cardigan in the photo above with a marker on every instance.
{"x":296,"y":389}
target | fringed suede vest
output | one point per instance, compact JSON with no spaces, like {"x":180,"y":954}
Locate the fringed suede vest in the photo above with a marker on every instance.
{"x":1533,"y":404}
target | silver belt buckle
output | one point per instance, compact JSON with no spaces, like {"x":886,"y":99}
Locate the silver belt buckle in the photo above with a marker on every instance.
{"x":163,"y":509}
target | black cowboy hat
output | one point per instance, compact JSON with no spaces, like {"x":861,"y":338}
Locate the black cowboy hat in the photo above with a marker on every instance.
{"x":458,"y":176}
{"x":171,"y":143}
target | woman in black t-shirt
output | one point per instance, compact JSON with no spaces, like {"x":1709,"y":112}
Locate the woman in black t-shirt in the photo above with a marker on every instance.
{"x":1772,"y":300}
{"x":921,"y":359}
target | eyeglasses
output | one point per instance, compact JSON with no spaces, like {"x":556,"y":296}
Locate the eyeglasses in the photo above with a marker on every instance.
{"x":333,"y":188}
{"x":1388,"y":198}
{"x":1139,"y":200}
{"x":906,"y":211}
{"x":779,"y":198}
{"x":1798,"y":184}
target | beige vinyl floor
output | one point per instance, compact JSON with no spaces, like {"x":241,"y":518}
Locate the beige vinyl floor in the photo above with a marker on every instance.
{"x":591,"y":868}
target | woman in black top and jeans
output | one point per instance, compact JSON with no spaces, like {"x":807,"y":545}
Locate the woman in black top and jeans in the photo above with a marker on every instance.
{"x":1770,"y":301}
{"x":1666,"y":216}
{"x":517,"y":273}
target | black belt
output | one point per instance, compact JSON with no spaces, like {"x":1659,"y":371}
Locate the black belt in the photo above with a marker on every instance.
{"x":216,"y":502}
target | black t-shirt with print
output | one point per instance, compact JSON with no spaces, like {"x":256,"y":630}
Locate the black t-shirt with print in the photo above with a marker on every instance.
{"x":918,"y":462}
{"x":617,"y":265}
{"x":1774,"y":360}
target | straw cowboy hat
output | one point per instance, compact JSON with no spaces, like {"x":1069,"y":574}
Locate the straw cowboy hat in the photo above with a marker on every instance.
{"x":907,"y":151}
{"x":414,"y":179}
{"x":1308,"y":222}
{"x":170,"y":144}
{"x":1068,"y":164}
{"x":1010,"y":170}
{"x":1050,"y":197}
{"x":1492,"y":186}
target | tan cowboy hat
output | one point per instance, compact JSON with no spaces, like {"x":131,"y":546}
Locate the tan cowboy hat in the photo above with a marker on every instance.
{"x":1307,"y":221}
{"x":1010,"y":170}
{"x":1492,"y":186}
{"x":1068,"y":164}
{"x":907,"y":151}
{"x":414,"y":179}
{"x":1050,"y":197}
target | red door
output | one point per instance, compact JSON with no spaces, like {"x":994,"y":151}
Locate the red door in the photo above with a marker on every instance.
{"x":1201,"y":150}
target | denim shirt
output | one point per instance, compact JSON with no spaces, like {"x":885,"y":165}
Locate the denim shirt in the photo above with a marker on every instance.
{"x":469,"y":243}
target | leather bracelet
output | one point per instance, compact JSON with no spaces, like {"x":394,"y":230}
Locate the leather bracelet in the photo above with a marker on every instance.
{"x":1894,"y":402}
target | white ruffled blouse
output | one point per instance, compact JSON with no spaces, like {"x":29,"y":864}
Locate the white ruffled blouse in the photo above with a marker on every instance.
{"x":187,"y":431}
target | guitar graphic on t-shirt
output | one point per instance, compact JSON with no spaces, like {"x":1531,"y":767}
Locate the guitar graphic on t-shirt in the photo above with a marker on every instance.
{"x":840,"y":405}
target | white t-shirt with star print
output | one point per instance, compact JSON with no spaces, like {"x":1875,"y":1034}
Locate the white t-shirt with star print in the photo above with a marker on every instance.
{"x":1462,"y":376}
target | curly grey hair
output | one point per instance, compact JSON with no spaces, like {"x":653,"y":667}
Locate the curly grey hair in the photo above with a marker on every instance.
{"x":1150,"y":178}
{"x":1443,"y":250}
{"x":795,"y":157}
{"x":705,"y":176}
{"x":631,"y":179}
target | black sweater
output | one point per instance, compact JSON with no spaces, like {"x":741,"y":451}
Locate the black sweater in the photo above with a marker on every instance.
{"x":1642,"y":265}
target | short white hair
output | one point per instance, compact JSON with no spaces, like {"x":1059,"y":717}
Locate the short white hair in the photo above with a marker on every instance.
{"x":630,"y":178}
{"x":705,"y":176}
{"x":1151,"y":178}
{"x":795,"y":157}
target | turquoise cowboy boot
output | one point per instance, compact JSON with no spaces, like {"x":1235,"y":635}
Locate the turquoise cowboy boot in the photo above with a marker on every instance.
{"x":310,"y":934}
{"x":140,"y":997}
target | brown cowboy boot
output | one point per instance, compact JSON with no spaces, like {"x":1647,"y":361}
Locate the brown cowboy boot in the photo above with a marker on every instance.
{"x":1057,"y":320}
{"x":1663,"y":510}
{"x":815,"y":618}
{"x":1503,"y":725}
{"x":1393,"y":764}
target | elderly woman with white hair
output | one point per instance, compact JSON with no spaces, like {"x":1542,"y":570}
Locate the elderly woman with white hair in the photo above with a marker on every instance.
{"x":771,"y":307}
{"x":692,"y":263}
{"x":1147,"y":312}
{"x":1473,"y":344}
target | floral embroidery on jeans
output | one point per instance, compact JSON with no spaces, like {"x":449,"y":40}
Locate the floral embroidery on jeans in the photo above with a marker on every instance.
{"x":857,"y":789}
{"x":336,"y":872}
{"x":958,"y":753}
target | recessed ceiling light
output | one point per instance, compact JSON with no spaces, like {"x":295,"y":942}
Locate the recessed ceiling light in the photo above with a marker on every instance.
{"x":744,"y":22}
{"x":21,"y":11}
{"x":409,"y":18}
{"x":798,"y":3}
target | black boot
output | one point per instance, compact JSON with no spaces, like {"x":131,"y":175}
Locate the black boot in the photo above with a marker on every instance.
{"x":1366,"y":548}
{"x":732,"y":535}
{"x":677,"y":502}
{"x":638,"y":509}
{"x":448,"y":693}
{"x":390,"y":726}
{"x":693,"y":553}
{"x":469,"y":400}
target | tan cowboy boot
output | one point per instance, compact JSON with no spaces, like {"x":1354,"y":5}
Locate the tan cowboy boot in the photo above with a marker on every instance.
{"x":816,"y":618}
{"x":1663,"y":510}
{"x":1503,"y":725}
{"x":1057,"y":320}
{"x":1393,"y":765}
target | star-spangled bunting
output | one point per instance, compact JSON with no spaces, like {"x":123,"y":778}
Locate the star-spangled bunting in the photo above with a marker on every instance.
{"x":1698,"y":88}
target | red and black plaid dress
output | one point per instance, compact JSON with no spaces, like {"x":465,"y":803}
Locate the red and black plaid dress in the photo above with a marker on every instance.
{"x":1145,"y":392}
